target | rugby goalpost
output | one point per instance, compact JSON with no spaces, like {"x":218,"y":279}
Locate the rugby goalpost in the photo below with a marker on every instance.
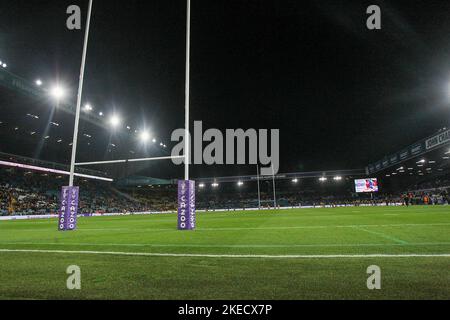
{"x":67,"y":219}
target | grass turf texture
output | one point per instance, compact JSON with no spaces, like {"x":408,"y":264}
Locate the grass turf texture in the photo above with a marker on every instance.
{"x":336,"y":231}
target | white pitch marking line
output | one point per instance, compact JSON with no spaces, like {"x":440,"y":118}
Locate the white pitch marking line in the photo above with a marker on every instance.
{"x":385,"y":236}
{"x":134,"y":230}
{"x":192,"y":255}
{"x":323,"y":227}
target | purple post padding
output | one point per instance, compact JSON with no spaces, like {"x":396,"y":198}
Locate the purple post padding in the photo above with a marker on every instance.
{"x":67,"y":219}
{"x":186,"y":205}
{"x":62,"y":222}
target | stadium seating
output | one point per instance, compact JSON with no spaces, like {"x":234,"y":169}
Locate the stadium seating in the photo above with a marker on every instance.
{"x":31,"y":193}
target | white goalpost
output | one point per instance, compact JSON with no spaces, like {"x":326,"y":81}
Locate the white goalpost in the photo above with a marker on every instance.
{"x":127,"y":160}
{"x":186,"y":187}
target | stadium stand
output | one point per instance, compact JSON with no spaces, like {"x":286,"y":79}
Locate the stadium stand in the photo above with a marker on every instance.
{"x":26,"y":192}
{"x":31,"y":193}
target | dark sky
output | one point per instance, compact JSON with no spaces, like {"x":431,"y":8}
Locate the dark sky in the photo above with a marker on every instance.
{"x":341,"y":95}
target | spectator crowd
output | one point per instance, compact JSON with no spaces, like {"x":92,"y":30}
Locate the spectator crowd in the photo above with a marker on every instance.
{"x":33,"y":193}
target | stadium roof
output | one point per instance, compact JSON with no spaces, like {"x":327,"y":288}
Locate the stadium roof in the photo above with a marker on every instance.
{"x":419,"y":149}
{"x":254,"y":65}
{"x":34,"y":125}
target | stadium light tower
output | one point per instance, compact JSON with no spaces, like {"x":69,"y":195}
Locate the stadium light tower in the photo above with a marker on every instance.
{"x":80,"y":93}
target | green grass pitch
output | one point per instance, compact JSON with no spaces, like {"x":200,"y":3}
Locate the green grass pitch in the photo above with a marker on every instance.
{"x":282,"y":254}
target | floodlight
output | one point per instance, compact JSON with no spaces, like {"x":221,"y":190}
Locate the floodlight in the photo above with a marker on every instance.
{"x":39,"y":82}
{"x":57,"y":92}
{"x":114,"y":120}
{"x":144,"y":136}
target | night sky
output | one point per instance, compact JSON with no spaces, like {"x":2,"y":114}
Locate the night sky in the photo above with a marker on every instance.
{"x":342,"y":96}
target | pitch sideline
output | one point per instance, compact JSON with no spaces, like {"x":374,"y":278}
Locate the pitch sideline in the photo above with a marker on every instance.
{"x":189,"y":255}
{"x":258,"y":228}
{"x":157,"y":245}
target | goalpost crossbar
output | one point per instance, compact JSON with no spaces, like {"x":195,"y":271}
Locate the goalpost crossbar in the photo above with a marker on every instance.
{"x":127,"y":160}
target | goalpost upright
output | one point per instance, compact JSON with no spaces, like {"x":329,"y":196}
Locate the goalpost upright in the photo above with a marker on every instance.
{"x":79,"y":95}
{"x":187,"y":91}
{"x":186,"y":187}
{"x":67,"y":218}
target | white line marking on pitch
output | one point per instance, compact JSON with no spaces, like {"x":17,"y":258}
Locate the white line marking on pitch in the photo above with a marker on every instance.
{"x":271,"y":228}
{"x":134,"y":230}
{"x":262,"y":256}
{"x":330,"y":226}
{"x":385,"y":236}
{"x":162,"y":245}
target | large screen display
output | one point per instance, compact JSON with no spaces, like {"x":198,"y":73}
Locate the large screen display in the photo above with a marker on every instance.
{"x":366,"y":185}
